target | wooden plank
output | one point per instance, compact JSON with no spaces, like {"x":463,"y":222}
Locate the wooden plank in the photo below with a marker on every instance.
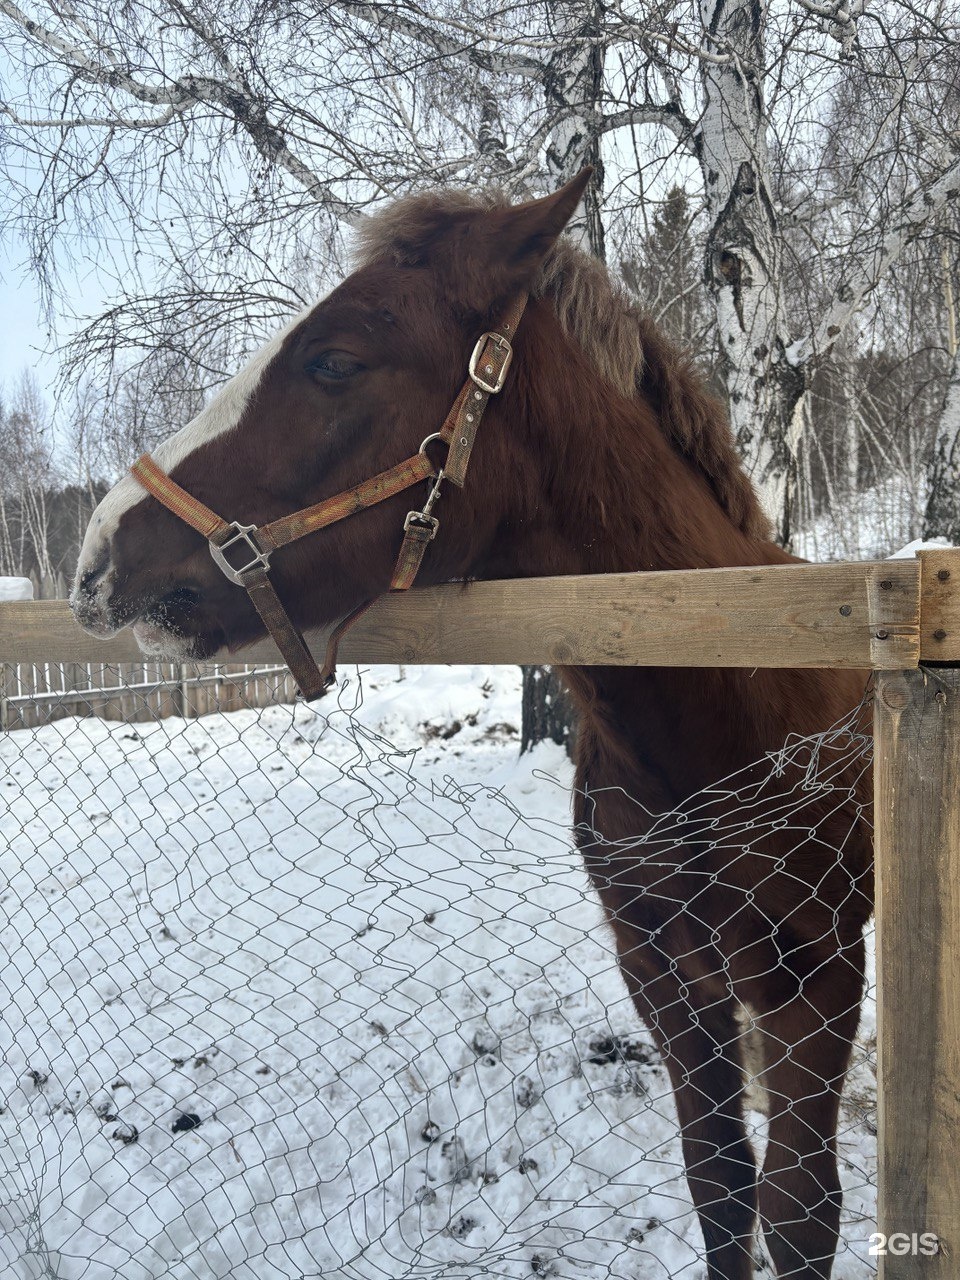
{"x":832,"y":615}
{"x":917,"y":788}
{"x":940,"y":605}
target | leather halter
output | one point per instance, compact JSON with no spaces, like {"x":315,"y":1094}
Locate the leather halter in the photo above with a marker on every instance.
{"x":487,"y":371}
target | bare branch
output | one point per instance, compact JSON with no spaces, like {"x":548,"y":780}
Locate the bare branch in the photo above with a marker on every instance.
{"x":471,"y":47}
{"x":867,"y":271}
{"x":92,"y":122}
{"x":668,"y":116}
{"x":187,"y":91}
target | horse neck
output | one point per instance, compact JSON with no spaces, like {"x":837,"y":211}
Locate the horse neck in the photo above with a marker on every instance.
{"x":606,"y":489}
{"x":619,"y":497}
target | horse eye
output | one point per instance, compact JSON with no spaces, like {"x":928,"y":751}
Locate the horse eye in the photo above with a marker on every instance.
{"x":334,"y":366}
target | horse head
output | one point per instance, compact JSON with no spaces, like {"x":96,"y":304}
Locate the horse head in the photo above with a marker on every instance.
{"x":346,"y":390}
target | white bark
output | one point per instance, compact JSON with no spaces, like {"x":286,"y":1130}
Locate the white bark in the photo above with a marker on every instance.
{"x":573,"y":82}
{"x":942,"y":517}
{"x":867,"y":270}
{"x":743,"y":252}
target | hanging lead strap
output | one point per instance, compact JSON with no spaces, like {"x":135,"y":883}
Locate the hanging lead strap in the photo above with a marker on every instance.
{"x":487,"y":369}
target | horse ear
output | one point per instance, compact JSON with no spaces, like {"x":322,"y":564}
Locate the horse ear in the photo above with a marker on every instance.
{"x":519,"y":238}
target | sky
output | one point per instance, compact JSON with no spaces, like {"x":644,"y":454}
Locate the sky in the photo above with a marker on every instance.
{"x":25,"y":337}
{"x":29,"y":341}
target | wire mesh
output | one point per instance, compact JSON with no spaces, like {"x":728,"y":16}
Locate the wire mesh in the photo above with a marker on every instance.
{"x":303,"y":993}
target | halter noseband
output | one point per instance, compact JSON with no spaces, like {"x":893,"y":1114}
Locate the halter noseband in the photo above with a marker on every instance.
{"x":487,"y":371}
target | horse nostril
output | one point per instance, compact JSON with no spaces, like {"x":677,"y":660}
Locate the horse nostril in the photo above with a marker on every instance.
{"x":90,"y":577}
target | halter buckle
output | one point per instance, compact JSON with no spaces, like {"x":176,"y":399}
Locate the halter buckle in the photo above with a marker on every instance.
{"x":484,"y":383}
{"x":425,"y":521}
{"x":235,"y":572}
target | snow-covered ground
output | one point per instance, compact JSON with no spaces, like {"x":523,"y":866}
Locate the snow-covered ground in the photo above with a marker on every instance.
{"x":291,"y":997}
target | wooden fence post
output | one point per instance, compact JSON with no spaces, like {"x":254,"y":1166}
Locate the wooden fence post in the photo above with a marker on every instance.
{"x":917,"y":790}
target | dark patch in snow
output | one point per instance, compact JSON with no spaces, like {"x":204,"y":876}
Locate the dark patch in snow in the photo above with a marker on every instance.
{"x":430,"y":1132}
{"x":606,"y":1049}
{"x":461,"y":1227}
{"x":637,"y":1235}
{"x":455,"y":1154}
{"x":185,"y":1121}
{"x":541,"y":1266}
{"x":485,"y":1042}
{"x":528,"y":1092}
{"x":126,"y":1133}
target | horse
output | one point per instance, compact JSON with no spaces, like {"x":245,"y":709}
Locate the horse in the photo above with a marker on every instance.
{"x":601,"y":450}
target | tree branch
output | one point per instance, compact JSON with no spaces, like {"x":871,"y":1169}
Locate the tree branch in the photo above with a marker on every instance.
{"x":668,"y":115}
{"x":866,"y":272}
{"x":250,"y":114}
{"x":91,"y":122}
{"x":469,"y":50}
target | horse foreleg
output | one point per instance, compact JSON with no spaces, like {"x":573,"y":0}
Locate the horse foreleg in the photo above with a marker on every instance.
{"x":807,"y":1051}
{"x":697,"y":1042}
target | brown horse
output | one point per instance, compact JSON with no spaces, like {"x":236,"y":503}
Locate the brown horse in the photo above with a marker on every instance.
{"x":603,"y":452}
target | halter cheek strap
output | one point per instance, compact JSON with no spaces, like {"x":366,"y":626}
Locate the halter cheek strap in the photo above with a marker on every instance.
{"x":243,"y":551}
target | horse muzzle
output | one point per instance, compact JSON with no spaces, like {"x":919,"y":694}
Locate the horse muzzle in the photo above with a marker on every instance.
{"x":91,"y":600}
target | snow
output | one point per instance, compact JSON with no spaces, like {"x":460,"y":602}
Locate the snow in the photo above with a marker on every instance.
{"x":288,"y":996}
{"x":15,"y":589}
{"x":910,"y":550}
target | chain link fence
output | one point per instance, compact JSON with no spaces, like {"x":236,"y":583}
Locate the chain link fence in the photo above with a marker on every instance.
{"x":293,"y":992}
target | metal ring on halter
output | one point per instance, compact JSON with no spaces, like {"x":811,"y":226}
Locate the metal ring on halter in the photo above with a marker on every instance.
{"x":437,"y":471}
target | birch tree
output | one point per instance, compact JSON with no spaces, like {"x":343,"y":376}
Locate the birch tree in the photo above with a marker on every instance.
{"x":942,"y":514}
{"x":229,"y":149}
{"x":27,"y":481}
{"x":233,"y":145}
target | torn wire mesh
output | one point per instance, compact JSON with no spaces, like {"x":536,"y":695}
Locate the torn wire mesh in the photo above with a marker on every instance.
{"x":288,"y":998}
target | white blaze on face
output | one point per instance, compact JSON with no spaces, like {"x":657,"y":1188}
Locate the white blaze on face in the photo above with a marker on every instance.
{"x":221,"y":415}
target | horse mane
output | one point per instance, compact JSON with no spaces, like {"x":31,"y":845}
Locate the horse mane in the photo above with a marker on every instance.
{"x":621,"y":341}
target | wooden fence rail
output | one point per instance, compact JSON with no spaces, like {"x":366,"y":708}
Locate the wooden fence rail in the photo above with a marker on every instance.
{"x":833,"y":615}
{"x":890,"y":616}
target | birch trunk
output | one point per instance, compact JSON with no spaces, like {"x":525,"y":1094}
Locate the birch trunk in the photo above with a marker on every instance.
{"x":743,"y":266}
{"x":8,"y":565}
{"x":573,"y":85}
{"x":38,"y":525}
{"x":942,"y":516}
